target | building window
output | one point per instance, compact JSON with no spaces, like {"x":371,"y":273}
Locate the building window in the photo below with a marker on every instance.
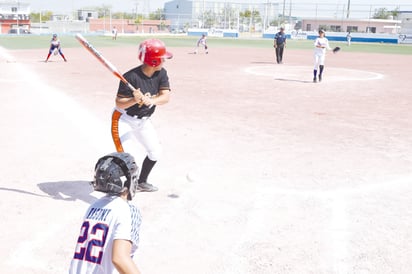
{"x":324,"y":27}
{"x":13,"y":9}
{"x":371,"y":29}
{"x":308,"y":27}
{"x":352,"y":29}
{"x":335,"y":28}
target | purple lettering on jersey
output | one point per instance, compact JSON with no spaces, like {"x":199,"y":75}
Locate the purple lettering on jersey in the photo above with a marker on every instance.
{"x":90,"y":213}
{"x":98,"y":214}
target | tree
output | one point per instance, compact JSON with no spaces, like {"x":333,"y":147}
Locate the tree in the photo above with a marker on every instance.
{"x":395,"y":12}
{"x":208,"y":19}
{"x":251,"y":18}
{"x":35,"y":17}
{"x":139,"y":19}
{"x":44,"y":16}
{"x":383,"y":13}
{"x":103,"y":11}
{"x":123,"y":15}
{"x":159,"y":14}
{"x":229,"y":15}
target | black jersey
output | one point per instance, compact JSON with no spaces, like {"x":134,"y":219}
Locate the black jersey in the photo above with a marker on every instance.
{"x":149,"y":86}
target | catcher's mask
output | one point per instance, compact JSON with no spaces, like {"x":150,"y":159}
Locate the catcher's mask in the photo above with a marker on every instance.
{"x":114,"y":173}
{"x":152,"y":52}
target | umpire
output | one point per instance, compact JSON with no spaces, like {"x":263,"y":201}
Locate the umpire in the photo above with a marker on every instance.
{"x":279,"y":45}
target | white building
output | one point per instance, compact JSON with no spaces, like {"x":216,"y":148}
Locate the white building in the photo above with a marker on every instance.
{"x":206,"y":14}
{"x":14,"y":10}
{"x":14,"y":16}
{"x":406,"y":21}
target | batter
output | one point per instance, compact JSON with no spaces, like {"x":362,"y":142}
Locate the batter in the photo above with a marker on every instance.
{"x":131,"y":119}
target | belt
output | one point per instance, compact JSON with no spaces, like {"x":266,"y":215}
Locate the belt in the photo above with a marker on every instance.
{"x":138,"y":117}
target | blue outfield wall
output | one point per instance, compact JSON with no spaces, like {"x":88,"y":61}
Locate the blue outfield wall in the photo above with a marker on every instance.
{"x":332,"y":36}
{"x":213,"y":32}
{"x":341,"y":37}
{"x":272,"y":35}
{"x":231,"y":34}
{"x":196,"y":33}
{"x":389,"y":40}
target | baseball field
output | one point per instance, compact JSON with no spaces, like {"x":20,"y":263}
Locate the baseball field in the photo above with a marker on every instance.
{"x":263,"y":172}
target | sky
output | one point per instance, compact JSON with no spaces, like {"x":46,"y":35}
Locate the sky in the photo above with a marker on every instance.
{"x":145,"y":6}
{"x":65,"y":6}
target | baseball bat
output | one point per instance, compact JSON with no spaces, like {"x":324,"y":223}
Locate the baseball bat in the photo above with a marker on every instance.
{"x":105,"y":62}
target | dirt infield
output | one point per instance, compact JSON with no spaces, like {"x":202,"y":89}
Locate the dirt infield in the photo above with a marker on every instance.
{"x":263,"y":171}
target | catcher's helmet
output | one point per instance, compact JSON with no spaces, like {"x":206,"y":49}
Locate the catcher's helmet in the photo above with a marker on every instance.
{"x":115,"y":172}
{"x":152,"y":51}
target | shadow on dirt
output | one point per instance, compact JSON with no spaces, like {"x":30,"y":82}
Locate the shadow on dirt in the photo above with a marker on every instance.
{"x":21,"y":191}
{"x":293,"y":80}
{"x":263,"y":62}
{"x":69,"y":190}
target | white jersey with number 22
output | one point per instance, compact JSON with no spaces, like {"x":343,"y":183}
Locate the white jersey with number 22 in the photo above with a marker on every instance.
{"x":108,"y":219}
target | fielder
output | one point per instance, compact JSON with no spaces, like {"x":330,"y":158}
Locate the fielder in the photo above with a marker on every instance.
{"x":321,"y":45}
{"x":55,"y":47}
{"x":202,"y":43}
{"x":348,"y":38}
{"x":131,"y":119}
{"x":109,"y":234}
{"x":114,"y":33}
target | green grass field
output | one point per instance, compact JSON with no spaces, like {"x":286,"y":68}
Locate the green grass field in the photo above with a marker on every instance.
{"x":69,"y":41}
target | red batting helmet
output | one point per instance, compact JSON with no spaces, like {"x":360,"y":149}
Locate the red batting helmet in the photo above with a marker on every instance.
{"x":152,"y":51}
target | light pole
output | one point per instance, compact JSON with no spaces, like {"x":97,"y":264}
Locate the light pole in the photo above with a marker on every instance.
{"x":178,"y":17}
{"x":17,"y":13}
{"x":136,"y":5}
{"x":348,"y":10}
{"x":203,"y":14}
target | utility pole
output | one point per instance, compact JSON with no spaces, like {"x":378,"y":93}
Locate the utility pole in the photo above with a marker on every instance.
{"x":348,"y":11}
{"x":136,"y":5}
{"x":203,"y":14}
{"x":290,"y":12}
{"x":17,"y":13}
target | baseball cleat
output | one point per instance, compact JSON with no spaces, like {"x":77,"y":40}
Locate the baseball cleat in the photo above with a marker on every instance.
{"x":146,"y":187}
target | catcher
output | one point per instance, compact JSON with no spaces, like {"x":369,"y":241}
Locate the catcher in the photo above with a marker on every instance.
{"x":321,"y":45}
{"x":110,"y":231}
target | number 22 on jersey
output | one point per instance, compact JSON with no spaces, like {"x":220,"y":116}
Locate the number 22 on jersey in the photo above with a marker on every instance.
{"x":90,"y":244}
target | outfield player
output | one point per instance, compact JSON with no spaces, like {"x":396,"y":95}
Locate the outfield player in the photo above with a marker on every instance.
{"x":348,"y":38}
{"x":202,"y":42}
{"x":279,"y":44}
{"x":114,"y":33}
{"x":55,"y":47}
{"x":131,"y":119}
{"x":109,"y":234}
{"x":321,"y":45}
